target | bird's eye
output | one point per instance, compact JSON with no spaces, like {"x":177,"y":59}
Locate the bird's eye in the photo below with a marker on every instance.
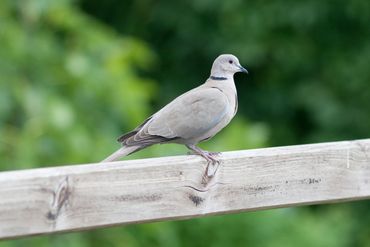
{"x":230,"y":61}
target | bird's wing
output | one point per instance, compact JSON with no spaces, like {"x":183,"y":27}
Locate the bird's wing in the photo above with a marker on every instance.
{"x":189,"y":115}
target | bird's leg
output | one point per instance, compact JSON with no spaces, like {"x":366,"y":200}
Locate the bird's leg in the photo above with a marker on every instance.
{"x":209,"y":156}
{"x":196,"y":150}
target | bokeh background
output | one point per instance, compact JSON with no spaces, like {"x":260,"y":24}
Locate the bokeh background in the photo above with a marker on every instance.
{"x":76,"y":74}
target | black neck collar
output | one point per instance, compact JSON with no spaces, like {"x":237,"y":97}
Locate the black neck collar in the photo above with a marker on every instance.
{"x":216,"y":78}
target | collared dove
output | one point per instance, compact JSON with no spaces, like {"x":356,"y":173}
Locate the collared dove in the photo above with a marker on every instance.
{"x":194,"y":116}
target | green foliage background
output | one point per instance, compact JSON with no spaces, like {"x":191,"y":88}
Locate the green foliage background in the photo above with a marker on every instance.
{"x":75,"y":75}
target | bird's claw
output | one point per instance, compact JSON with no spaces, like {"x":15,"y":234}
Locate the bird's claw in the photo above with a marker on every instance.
{"x":211,"y":157}
{"x":213,"y":153}
{"x":212,"y":163}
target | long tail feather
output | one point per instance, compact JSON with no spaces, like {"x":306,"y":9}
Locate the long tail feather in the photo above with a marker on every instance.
{"x":123,"y":151}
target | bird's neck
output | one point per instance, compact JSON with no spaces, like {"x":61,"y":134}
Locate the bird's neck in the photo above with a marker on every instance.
{"x":221,"y":81}
{"x":220,"y":75}
{"x":226,"y":86}
{"x":217,"y":78}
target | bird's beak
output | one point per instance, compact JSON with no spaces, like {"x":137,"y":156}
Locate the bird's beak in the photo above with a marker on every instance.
{"x":243,"y":69}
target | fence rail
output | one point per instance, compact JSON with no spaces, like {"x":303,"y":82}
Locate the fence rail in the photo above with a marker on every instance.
{"x":69,"y":198}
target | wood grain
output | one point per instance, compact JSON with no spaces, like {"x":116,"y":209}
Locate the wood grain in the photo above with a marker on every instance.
{"x":47,"y":200}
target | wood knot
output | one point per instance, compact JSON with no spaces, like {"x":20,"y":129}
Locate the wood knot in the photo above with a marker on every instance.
{"x":60,"y":198}
{"x":197,"y":200}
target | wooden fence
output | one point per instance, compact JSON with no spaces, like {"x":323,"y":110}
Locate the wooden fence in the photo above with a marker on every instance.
{"x":70,"y":198}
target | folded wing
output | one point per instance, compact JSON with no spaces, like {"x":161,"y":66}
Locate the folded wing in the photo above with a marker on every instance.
{"x":188,"y":116}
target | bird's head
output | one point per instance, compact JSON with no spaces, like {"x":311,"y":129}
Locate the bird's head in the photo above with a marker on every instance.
{"x":226,"y":65}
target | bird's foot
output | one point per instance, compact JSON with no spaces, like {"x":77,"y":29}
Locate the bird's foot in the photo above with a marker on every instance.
{"x":214,"y":153}
{"x":211,"y":157}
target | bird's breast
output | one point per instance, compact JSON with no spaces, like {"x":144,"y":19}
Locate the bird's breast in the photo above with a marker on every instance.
{"x":230,"y":92}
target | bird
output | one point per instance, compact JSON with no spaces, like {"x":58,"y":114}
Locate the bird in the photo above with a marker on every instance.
{"x":192,"y":117}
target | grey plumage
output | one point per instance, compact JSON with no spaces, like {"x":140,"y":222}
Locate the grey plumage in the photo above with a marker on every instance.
{"x":192,"y":117}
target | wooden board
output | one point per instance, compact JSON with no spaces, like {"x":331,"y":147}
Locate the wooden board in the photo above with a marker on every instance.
{"x":47,"y":200}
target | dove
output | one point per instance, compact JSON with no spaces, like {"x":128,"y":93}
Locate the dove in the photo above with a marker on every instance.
{"x":192,"y":117}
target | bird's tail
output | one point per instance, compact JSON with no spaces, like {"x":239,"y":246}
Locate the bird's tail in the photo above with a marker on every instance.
{"x":123,"y":151}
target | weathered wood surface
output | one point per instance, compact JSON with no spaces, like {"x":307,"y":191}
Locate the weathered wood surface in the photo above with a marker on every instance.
{"x":40,"y":201}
